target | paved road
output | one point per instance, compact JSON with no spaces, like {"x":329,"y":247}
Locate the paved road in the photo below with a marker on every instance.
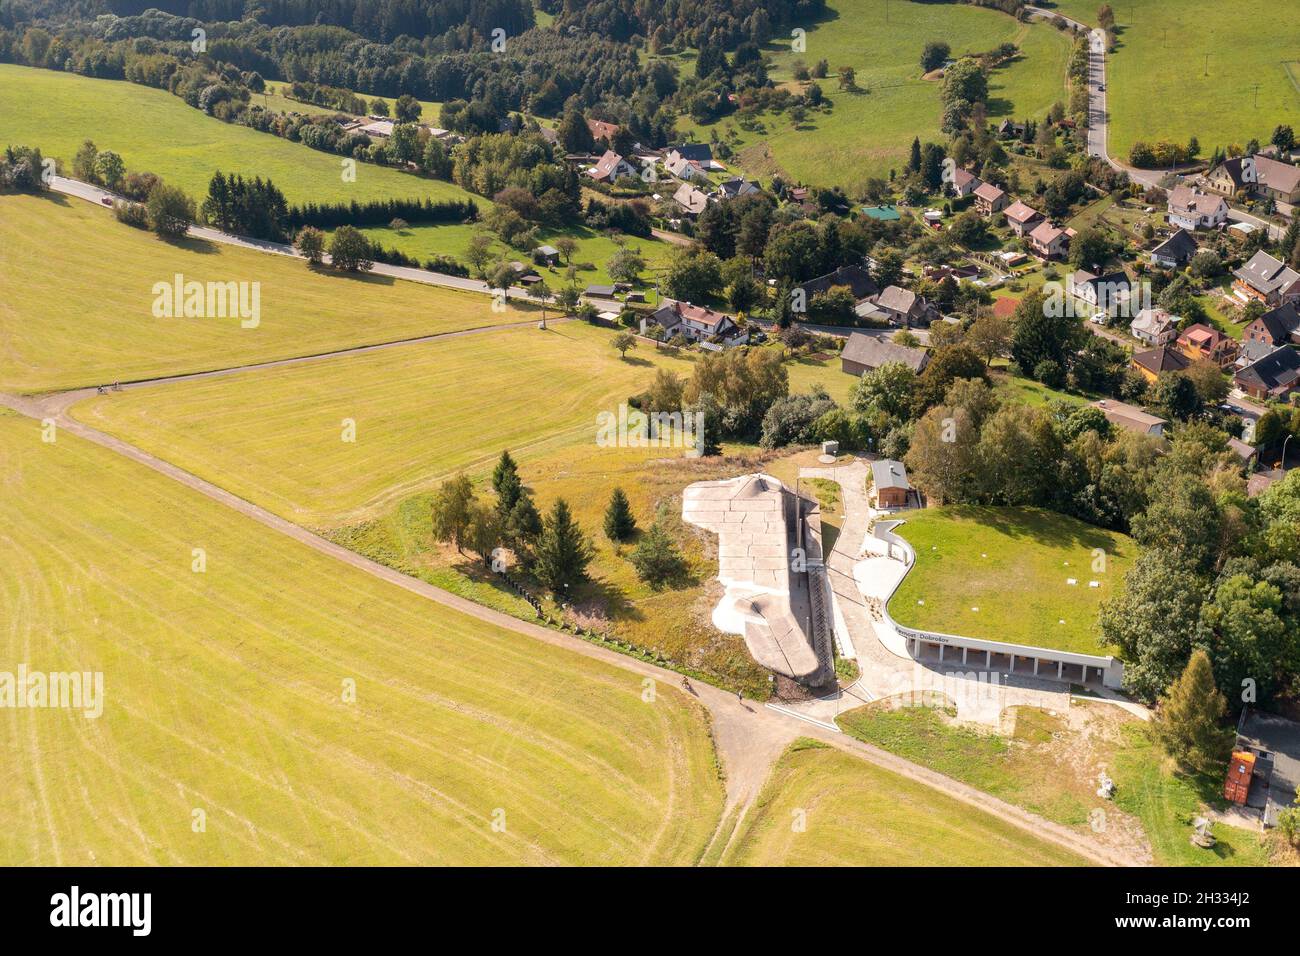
{"x":748,"y":736}
{"x":93,"y":194}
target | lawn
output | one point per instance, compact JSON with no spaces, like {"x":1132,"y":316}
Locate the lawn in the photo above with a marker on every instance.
{"x":158,"y":132}
{"x":422,"y":411}
{"x":228,"y":692}
{"x":823,"y":807}
{"x":77,"y":308}
{"x":1160,"y":84}
{"x":593,"y":253}
{"x":1012,"y":564}
{"x":868,"y":133}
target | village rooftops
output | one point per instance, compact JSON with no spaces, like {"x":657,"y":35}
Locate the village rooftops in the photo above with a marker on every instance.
{"x":887,"y":473}
{"x":989,"y":193}
{"x":606,"y":166}
{"x":872,"y":351}
{"x":1267,"y":275}
{"x":690,"y":199}
{"x":1191,"y":203}
{"x":1020,"y":213}
{"x":1161,"y":359}
{"x":1047,"y":232}
{"x":1130,"y":417}
{"x":1180,"y":247}
{"x":603,"y":130}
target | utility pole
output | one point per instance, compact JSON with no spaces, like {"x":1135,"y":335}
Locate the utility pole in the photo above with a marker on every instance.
{"x":1207,"y":64}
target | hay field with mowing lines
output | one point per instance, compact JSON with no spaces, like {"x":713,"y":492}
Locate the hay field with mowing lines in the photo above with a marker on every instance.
{"x":868,"y":133}
{"x":78,"y":299}
{"x":1012,"y":564}
{"x":224,"y":692}
{"x":158,"y":132}
{"x":857,"y":814}
{"x":1159,"y":84}
{"x":421,"y":411}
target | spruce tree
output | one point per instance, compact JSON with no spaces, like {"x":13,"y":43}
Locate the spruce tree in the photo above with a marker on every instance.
{"x":656,"y":558}
{"x":619,"y":522}
{"x":562,"y":550}
{"x":1188,"y":720}
{"x":505,"y":468}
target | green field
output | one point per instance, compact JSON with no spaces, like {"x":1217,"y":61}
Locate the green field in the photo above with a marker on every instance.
{"x":856,"y":814}
{"x":158,"y":132}
{"x":225,"y":692}
{"x":1048,"y":764}
{"x":593,"y":253}
{"x":868,"y":133}
{"x":1161,"y":86}
{"x":1012,"y":564}
{"x":422,"y":411}
{"x":78,"y":299}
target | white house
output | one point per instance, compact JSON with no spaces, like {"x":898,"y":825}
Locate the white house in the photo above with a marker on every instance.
{"x":1192,"y":209}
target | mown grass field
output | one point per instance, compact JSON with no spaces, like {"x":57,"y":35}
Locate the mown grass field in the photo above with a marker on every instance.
{"x":856,"y":814}
{"x":422,"y":411}
{"x":1156,"y":79}
{"x":224,"y":692}
{"x":78,"y":300}
{"x":868,"y":133}
{"x":1012,"y":564}
{"x":158,"y":132}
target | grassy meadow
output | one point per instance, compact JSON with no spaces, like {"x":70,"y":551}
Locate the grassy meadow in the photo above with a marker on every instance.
{"x":422,"y":411}
{"x":1160,"y":84}
{"x":1048,"y":763}
{"x":868,"y":133}
{"x":78,"y":300}
{"x":1013,"y":565}
{"x":856,"y":814}
{"x":158,"y":132}
{"x":228,"y":692}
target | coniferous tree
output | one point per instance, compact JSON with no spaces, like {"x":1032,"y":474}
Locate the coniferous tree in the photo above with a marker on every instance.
{"x":1188,"y":720}
{"x":563,"y":552}
{"x":619,"y":521}
{"x":656,"y":558}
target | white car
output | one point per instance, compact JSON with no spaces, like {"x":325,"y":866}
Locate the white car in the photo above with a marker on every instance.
{"x":1099,"y":318}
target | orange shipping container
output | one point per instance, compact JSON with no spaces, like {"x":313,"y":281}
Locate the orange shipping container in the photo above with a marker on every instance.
{"x":1237,"y":785}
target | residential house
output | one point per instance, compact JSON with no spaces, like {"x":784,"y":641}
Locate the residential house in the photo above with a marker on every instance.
{"x":690,"y":200}
{"x":857,"y":278}
{"x":1108,"y":293}
{"x":1123,"y":415}
{"x":1010,"y":129}
{"x":892,"y":489}
{"x":1276,"y":327}
{"x":903,"y":307}
{"x":693,"y":322}
{"x":1022,"y":219}
{"x":989,"y":199}
{"x":1155,"y":327}
{"x":1274,"y":742}
{"x":1258,"y":176}
{"x":1153,"y":362}
{"x":964,"y":182}
{"x":600,"y":291}
{"x":684,"y":169}
{"x":1199,"y":342}
{"x":1192,"y":209}
{"x":1275,"y":376}
{"x":865,"y":353}
{"x":610,"y":167}
{"x":603,"y":131}
{"x":546,"y":256}
{"x":1176,"y":251}
{"x":1268,"y":280}
{"x":1050,"y":241}
{"x":1251,"y":351}
{"x":695,"y":152}
{"x":735,"y":188}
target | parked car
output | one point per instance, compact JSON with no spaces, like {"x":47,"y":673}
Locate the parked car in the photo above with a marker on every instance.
{"x":106,"y":200}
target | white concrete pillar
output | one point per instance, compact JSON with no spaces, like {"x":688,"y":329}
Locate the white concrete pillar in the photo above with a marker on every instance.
{"x":1060,"y":666}
{"x":963,"y":655}
{"x":1035,"y":666}
{"x":1012,"y":658}
{"x":941,"y":653}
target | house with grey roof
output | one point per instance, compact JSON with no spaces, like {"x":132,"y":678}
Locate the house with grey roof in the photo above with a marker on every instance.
{"x":866,"y":353}
{"x":1275,"y":376}
{"x":1267,"y":279}
{"x":1176,"y":251}
{"x":890,"y":488}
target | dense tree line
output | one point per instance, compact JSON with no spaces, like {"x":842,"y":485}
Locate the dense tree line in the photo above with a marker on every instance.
{"x":247,"y":207}
{"x":380,"y":212}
